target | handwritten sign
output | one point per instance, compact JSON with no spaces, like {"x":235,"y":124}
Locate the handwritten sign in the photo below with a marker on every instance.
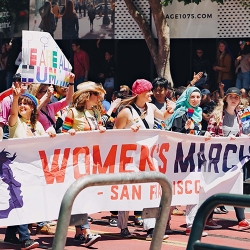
{"x":42,"y":60}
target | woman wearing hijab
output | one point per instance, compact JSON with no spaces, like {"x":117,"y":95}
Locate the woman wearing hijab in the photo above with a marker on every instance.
{"x":139,"y":113}
{"x":187,"y":119}
{"x":183,"y":121}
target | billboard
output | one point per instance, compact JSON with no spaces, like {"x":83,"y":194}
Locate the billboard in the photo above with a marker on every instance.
{"x":14,"y":17}
{"x":192,"y":20}
{"x":89,"y":18}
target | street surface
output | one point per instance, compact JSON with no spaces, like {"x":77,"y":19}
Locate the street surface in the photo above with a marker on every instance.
{"x":111,"y":240}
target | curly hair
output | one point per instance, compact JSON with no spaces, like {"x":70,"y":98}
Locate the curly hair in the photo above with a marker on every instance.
{"x":79,"y":101}
{"x":34,"y":114}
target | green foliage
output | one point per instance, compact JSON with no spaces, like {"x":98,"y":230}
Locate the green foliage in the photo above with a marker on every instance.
{"x":166,"y":2}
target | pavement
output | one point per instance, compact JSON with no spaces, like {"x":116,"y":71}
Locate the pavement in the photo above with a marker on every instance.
{"x":99,"y":29}
{"x":228,"y":235}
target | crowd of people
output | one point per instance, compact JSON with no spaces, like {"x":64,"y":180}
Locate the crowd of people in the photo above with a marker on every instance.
{"x":45,"y":110}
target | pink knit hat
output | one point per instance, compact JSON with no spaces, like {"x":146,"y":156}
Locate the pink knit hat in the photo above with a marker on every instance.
{"x":140,"y":86}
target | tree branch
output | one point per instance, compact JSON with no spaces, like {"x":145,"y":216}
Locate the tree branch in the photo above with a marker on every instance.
{"x":144,"y":26}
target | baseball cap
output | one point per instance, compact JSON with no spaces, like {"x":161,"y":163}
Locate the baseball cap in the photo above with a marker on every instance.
{"x":205,"y":92}
{"x":233,"y":90}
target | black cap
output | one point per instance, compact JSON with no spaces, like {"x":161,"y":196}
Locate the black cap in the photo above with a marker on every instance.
{"x":17,"y":77}
{"x":205,"y":92}
{"x":233,"y":90}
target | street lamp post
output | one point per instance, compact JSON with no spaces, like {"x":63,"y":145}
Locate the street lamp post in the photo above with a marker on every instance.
{"x":106,"y":20}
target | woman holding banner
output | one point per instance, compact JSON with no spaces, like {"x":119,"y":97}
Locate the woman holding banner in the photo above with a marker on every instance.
{"x":23,"y":123}
{"x":187,"y":119}
{"x":23,"y":119}
{"x":226,"y":121}
{"x":139,"y":113}
{"x":84,"y":115}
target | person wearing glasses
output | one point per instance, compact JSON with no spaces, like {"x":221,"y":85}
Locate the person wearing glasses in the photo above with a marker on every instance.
{"x":85,"y":115}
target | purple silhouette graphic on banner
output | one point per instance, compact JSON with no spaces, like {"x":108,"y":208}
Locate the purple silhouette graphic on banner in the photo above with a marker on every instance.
{"x":14,"y":187}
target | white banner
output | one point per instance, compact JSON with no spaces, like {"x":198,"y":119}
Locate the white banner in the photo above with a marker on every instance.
{"x":191,"y":20}
{"x":36,"y":172}
{"x":42,"y":60}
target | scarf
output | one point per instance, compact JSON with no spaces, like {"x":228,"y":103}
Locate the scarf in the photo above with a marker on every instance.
{"x":182,"y":104}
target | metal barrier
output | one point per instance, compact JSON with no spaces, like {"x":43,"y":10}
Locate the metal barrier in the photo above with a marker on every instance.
{"x":203,"y":212}
{"x":114,"y":179}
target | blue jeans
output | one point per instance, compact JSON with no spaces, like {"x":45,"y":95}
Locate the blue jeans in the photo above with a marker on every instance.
{"x":9,"y":79}
{"x":22,"y":231}
{"x":243,"y":80}
{"x":42,"y":223}
{"x":86,"y":225}
{"x":78,"y":81}
{"x":227,"y":84}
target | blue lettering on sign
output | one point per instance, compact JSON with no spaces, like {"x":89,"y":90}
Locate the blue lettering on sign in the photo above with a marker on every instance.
{"x":189,"y":160}
{"x":229,"y":147}
{"x":214,"y":161}
{"x":202,"y":161}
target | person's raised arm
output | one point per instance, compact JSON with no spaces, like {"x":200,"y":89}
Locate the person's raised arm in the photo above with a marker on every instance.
{"x":46,"y":98}
{"x":16,"y":92}
{"x":166,"y":114}
{"x":69,"y":96}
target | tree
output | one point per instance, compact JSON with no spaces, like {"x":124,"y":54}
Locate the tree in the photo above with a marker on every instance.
{"x":159,"y":48}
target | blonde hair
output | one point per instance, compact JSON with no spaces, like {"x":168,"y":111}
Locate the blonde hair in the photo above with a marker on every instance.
{"x":127,"y":101}
{"x":79,"y":101}
{"x":34,"y":88}
{"x":125,"y":87}
{"x":244,"y":102}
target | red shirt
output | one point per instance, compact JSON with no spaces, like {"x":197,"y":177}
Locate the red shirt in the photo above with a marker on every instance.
{"x":81,"y":63}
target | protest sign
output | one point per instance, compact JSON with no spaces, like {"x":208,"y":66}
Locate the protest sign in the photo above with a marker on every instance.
{"x":42,"y":60}
{"x":35,"y":177}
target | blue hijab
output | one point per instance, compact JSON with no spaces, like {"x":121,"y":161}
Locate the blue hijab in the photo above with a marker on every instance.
{"x":182,"y":104}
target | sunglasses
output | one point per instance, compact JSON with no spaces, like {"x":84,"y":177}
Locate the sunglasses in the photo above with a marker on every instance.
{"x":94,"y":93}
{"x":42,"y":91}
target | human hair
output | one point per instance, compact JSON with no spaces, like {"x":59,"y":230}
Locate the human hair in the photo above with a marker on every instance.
{"x":127,"y":101}
{"x":221,"y":55}
{"x":34,"y":113}
{"x":79,"y":100}
{"x":47,"y":11}
{"x":246,"y":49}
{"x":244,"y":102}
{"x":178,"y":91}
{"x":77,"y":42}
{"x":160,"y":82}
{"x":69,"y":10}
{"x":33,"y":88}
{"x":221,"y":106}
{"x":126,"y":87}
